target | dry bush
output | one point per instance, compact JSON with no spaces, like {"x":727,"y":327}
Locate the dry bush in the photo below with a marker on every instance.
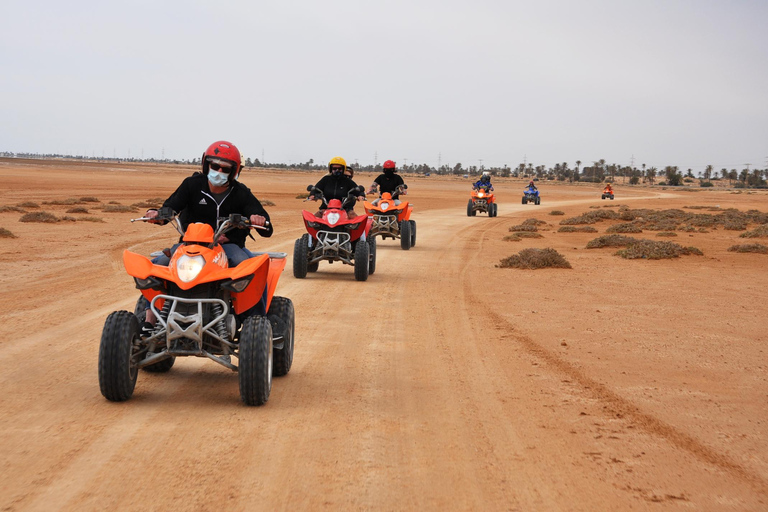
{"x":574,"y":229}
{"x":611,"y":241}
{"x":758,"y":248}
{"x":516,"y":237}
{"x":266,"y":202}
{"x":590,"y":218}
{"x":734,"y":225}
{"x":533,"y":222}
{"x":598,"y":206}
{"x":147,"y":204}
{"x":4,"y":209}
{"x":28,"y":204}
{"x":39,"y":217}
{"x":757,"y":217}
{"x":624,"y":227}
{"x":534,"y":259}
{"x":68,"y":218}
{"x":118,"y":208}
{"x":4,"y":233}
{"x":63,"y":202}
{"x":303,"y":195}
{"x":652,"y":250}
{"x":114,"y":202}
{"x":523,"y":227}
{"x":78,"y":209}
{"x":89,"y":199}
{"x":703,"y":230}
{"x":91,"y":219}
{"x":556,"y":212}
{"x":758,"y":232}
{"x":666,"y":233}
{"x":686,"y":228}
{"x":612,"y":206}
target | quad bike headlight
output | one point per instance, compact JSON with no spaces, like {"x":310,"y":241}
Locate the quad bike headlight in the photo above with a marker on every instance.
{"x":188,"y":267}
{"x":480,"y":194}
{"x":384,"y":206}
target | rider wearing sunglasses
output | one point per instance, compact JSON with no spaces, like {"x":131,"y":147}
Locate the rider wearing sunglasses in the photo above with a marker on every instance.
{"x":336,"y":185}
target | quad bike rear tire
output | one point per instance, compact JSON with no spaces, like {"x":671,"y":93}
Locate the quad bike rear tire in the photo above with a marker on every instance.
{"x":301,"y":257}
{"x":372,"y":255}
{"x":282,"y":317}
{"x":140,"y":310}
{"x":117,"y":374}
{"x":413,"y":232}
{"x":255,"y":360}
{"x":470,"y":211}
{"x":362,"y":251}
{"x":525,"y":201}
{"x":405,"y":235}
{"x":494,"y":209}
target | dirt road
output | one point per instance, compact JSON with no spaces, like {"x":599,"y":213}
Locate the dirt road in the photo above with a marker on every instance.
{"x":442,"y":382}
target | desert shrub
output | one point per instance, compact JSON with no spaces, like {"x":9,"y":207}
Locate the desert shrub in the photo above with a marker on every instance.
{"x":705,"y":184}
{"x":556,"y":212}
{"x":68,"y":218}
{"x":78,"y":209}
{"x":687,"y":228}
{"x":758,"y":232}
{"x":303,"y":195}
{"x":757,"y":217}
{"x":652,"y":250}
{"x":5,"y":209}
{"x":611,"y":241}
{"x":523,"y":227}
{"x":38,"y":217}
{"x":516,"y":237}
{"x":147,"y":204}
{"x":118,"y":208}
{"x":89,"y":199}
{"x":666,"y":233}
{"x":703,"y":230}
{"x":63,"y":202}
{"x":91,"y":219}
{"x":758,"y":248}
{"x":4,"y":233}
{"x":590,"y":218}
{"x":533,"y":222}
{"x":624,"y":227}
{"x":28,"y":204}
{"x":535,"y":259}
{"x":114,"y":202}
{"x":574,"y":229}
{"x":266,"y":202}
{"x":734,"y":225}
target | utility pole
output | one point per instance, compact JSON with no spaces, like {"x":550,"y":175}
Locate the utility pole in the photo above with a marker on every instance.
{"x":632,"y":162}
{"x":747,"y":166}
{"x":481,"y":162}
{"x":406,"y":162}
{"x":439,"y":160}
{"x":375,"y":158}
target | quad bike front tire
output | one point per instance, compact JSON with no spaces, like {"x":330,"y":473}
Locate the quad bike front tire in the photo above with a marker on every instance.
{"x":525,"y":201}
{"x":413,"y":232}
{"x":362,"y":251}
{"x":283,"y":319}
{"x":470,"y":210}
{"x":301,"y":257}
{"x":255,"y":360}
{"x":372,"y":255}
{"x":603,"y":197}
{"x":405,"y":235}
{"x":140,"y":310}
{"x":312,"y":267}
{"x":538,"y":201}
{"x":117,"y":373}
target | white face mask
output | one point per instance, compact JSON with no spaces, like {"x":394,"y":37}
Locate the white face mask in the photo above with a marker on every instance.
{"x":217,"y":179}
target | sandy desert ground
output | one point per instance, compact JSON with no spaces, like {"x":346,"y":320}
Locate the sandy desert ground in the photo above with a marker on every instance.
{"x":443,"y":382}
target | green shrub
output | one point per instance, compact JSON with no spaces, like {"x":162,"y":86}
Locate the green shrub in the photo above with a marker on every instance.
{"x":39,"y":217}
{"x":758,"y":248}
{"x":705,"y":184}
{"x":535,"y":259}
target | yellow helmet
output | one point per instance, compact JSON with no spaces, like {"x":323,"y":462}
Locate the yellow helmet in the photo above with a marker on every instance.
{"x":337,"y":160}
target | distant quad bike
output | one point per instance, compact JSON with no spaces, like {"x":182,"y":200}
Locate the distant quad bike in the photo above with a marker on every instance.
{"x":482,"y":200}
{"x":335,"y":237}
{"x":608,"y":194}
{"x":203,"y":308}
{"x":392,"y":221}
{"x":531,"y":196}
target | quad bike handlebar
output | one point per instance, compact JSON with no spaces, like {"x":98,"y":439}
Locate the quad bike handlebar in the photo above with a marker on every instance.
{"x":318,"y":194}
{"x":226,"y":224}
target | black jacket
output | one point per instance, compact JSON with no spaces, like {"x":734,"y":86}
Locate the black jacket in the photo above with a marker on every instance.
{"x":194,"y":200}
{"x":388,"y":182}
{"x":336,"y":187}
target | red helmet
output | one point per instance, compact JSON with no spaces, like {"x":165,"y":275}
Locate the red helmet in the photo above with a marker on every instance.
{"x":389,"y":164}
{"x":226,"y":152}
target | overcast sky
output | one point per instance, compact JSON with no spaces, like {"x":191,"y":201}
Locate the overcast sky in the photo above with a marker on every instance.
{"x":671,"y":82}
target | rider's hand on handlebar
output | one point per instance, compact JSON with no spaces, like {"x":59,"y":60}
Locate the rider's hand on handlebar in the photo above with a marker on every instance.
{"x":152,"y":214}
{"x":311,"y":198}
{"x":258,"y":220}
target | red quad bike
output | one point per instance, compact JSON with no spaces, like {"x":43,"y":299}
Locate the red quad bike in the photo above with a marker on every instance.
{"x":203,"y":308}
{"x":393,"y":221}
{"x":335,"y":237}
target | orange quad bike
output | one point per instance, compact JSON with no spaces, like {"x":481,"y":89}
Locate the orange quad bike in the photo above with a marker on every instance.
{"x":392,"y":220}
{"x":203,"y":308}
{"x":608,"y":193}
{"x":482,"y":200}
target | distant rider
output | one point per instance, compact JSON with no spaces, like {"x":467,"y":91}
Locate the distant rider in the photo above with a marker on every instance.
{"x":532,"y":187}
{"x":390,"y":182}
{"x":336,"y":185}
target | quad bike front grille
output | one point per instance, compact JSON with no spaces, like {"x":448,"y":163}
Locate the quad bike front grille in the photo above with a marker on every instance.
{"x":332,"y":243}
{"x":385,"y":224}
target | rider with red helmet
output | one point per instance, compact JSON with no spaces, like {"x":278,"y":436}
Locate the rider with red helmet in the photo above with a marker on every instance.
{"x":215,"y":192}
{"x":390,"y":182}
